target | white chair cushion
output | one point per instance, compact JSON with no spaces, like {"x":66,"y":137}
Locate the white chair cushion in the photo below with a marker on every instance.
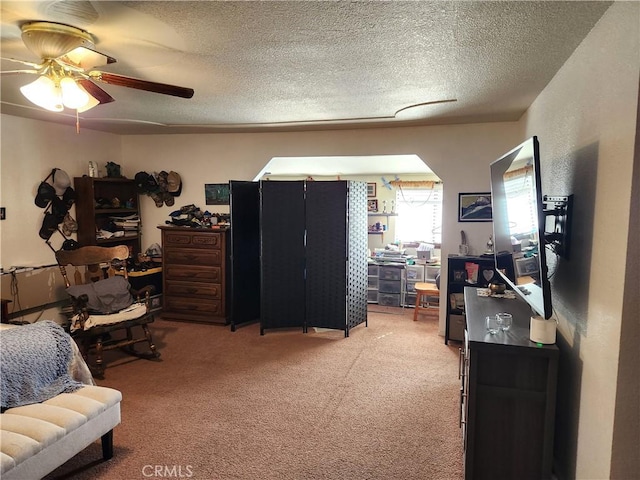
{"x":135,"y":310}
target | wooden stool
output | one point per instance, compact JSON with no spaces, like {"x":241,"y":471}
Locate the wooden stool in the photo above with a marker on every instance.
{"x":423,"y":292}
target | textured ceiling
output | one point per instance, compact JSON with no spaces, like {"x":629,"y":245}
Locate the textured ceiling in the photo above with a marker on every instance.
{"x":298,"y":64}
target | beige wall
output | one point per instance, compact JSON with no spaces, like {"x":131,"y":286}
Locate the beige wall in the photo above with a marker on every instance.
{"x":459,"y":155}
{"x":28,"y":152}
{"x":586,"y":123}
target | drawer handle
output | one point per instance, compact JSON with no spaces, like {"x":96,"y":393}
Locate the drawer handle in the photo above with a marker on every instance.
{"x":463,"y":396}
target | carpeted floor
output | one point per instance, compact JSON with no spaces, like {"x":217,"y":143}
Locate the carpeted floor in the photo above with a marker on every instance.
{"x":380,"y":404}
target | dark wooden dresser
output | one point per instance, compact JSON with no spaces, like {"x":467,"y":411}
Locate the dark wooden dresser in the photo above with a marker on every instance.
{"x":508,"y":395}
{"x":194,"y":264}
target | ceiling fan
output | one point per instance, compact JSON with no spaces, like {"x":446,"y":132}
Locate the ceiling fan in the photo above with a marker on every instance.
{"x":65,"y":75}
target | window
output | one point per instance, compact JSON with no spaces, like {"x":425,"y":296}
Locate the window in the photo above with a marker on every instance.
{"x":419,"y":214}
{"x":521,"y":205}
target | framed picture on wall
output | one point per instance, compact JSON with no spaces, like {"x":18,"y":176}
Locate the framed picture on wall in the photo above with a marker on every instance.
{"x":216,"y":193}
{"x":371,"y":189}
{"x":474,"y":207}
{"x":372,"y":206}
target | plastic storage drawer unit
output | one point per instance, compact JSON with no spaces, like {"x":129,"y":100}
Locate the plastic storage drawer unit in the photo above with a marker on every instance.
{"x":388,"y":272}
{"x":372,"y":296}
{"x":386,"y":286}
{"x":389,"y":299}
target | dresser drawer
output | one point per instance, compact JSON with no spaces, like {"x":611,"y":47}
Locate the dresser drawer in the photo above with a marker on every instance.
{"x":194,"y":265}
{"x":192,"y":240}
{"x":192,"y":256}
{"x":193,"y":273}
{"x":207,"y":290}
{"x":193,"y":306}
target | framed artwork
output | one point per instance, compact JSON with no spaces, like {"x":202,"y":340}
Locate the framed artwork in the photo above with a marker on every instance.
{"x":216,"y":193}
{"x":474,"y":207}
{"x":459,"y":275}
{"x":372,"y":205}
{"x":371,"y":189}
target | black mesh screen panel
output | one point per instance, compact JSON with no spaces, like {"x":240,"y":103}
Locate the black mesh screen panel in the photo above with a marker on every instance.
{"x":245,"y":252}
{"x":326,"y":212}
{"x":282,"y":254}
{"x":357,"y":248}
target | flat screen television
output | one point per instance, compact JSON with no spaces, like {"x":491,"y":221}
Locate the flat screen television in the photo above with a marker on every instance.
{"x":519,"y":224}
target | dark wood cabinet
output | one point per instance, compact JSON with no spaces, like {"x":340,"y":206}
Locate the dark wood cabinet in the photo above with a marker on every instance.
{"x":466,"y":271}
{"x":507,"y":395}
{"x":100,"y":200}
{"x":195,"y":269}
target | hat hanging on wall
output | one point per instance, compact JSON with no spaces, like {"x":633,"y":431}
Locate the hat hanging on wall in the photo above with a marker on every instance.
{"x":45,"y":194}
{"x":69,"y":197}
{"x":61,"y":181}
{"x":174,"y":184}
{"x":70,"y":244}
{"x":60,"y":186}
{"x":49,"y":225}
{"x":56,"y":195}
{"x":69,"y":225}
{"x":162,"y":187}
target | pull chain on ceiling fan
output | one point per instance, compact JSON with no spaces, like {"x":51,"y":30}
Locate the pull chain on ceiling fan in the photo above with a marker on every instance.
{"x":64,"y":75}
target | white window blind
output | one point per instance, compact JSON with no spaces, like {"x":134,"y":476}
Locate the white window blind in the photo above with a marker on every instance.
{"x":419,"y":214}
{"x":521,"y":204}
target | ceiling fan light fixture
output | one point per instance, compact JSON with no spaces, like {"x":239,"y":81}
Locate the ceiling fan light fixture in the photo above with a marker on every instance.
{"x":45,"y":93}
{"x":72,"y":95}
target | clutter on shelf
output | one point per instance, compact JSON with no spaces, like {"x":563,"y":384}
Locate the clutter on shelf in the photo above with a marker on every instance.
{"x":120,"y":227}
{"x":192,"y":216}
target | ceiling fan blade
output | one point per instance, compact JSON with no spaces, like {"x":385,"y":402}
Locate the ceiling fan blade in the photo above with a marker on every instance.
{"x":29,"y":64}
{"x":121,"y":80}
{"x":85,"y":58}
{"x":95,"y":91}
{"x":16,"y":72}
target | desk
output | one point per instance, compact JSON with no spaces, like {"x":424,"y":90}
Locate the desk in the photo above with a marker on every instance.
{"x":139,"y":279}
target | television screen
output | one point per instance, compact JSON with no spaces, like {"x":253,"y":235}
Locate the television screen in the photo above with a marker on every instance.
{"x":518,"y":223}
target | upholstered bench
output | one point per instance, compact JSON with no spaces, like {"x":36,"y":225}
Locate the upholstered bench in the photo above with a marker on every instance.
{"x":36,"y":439}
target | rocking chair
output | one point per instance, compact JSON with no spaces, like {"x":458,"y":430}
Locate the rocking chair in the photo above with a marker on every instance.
{"x":103,"y":303}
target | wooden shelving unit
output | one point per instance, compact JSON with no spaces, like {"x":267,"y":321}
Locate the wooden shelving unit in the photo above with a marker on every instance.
{"x":92,"y":193}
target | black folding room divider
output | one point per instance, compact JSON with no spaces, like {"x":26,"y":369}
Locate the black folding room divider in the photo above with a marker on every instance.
{"x":244,"y":281}
{"x":302,"y":262}
{"x":282,"y":237}
{"x":336,"y":254}
{"x":313,"y":254}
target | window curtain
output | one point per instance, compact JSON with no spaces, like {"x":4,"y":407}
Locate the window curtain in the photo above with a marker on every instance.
{"x":419,"y":213}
